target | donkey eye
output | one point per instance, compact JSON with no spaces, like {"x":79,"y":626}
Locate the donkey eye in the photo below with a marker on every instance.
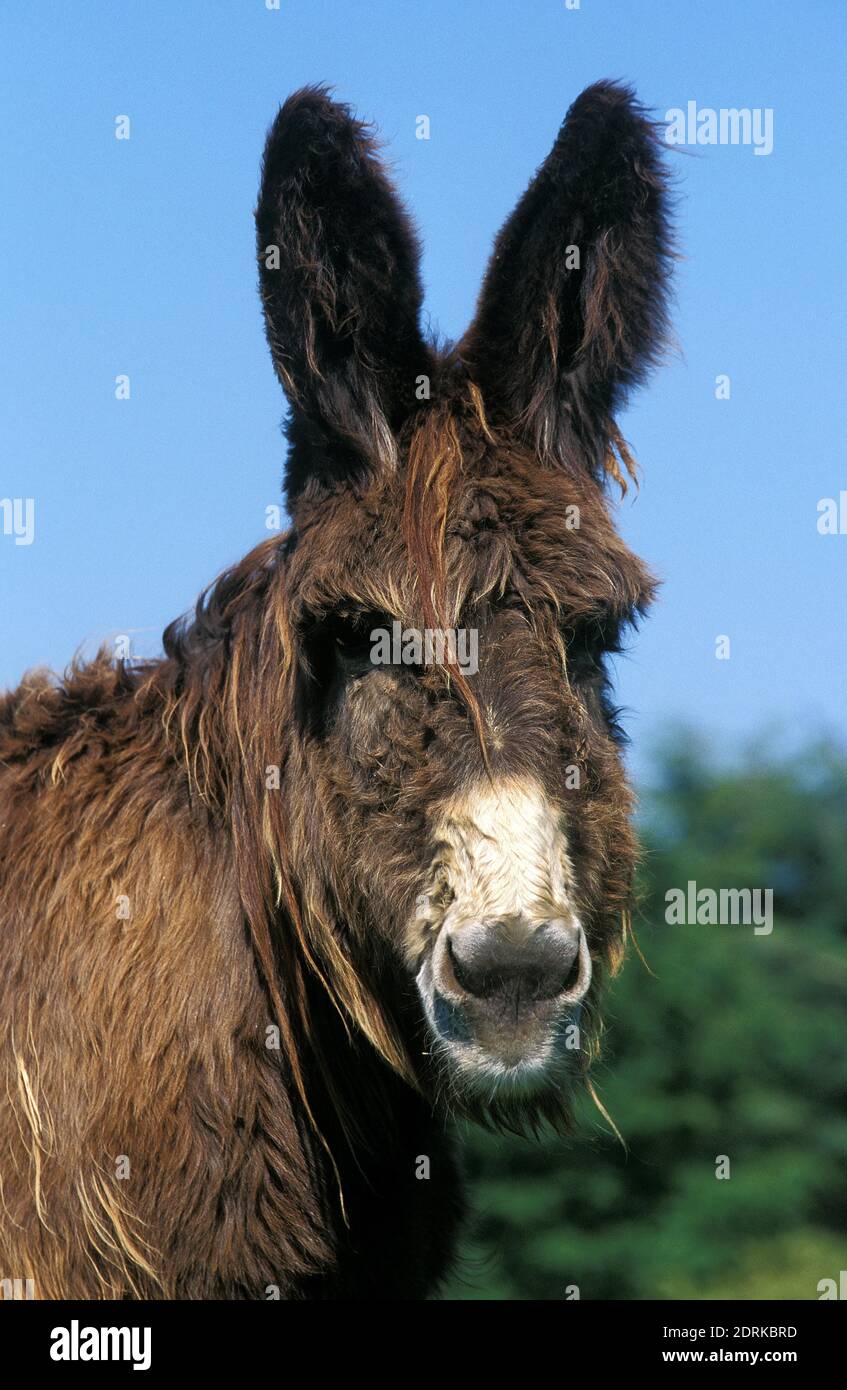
{"x":352,"y":634}
{"x":340,"y":646}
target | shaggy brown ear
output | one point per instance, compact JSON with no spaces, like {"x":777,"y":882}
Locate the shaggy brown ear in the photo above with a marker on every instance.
{"x":573,"y":307}
{"x":340,"y":286}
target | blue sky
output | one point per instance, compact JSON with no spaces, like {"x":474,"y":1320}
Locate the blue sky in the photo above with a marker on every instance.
{"x":137,"y":257}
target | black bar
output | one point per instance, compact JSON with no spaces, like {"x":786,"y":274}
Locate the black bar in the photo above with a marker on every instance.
{"x":275,"y":1338}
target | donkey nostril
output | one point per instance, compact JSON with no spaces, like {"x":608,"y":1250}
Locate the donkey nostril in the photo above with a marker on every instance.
{"x":574,"y":973}
{"x":487,"y":962}
{"x":474,"y":972}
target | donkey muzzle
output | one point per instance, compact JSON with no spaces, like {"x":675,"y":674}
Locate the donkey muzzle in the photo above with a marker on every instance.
{"x":501,"y":990}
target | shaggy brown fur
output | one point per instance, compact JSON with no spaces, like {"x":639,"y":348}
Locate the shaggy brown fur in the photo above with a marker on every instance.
{"x":216,"y":1075}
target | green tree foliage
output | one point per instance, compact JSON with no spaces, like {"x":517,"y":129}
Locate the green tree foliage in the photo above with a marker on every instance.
{"x":731,"y":1044}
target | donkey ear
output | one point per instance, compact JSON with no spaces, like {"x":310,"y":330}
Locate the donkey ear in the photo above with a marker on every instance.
{"x":339,"y":281}
{"x":573,"y":308}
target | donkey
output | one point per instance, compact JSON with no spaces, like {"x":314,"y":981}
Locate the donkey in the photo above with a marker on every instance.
{"x":272,"y":913}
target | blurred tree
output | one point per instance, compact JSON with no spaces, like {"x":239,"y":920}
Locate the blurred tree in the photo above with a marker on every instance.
{"x":734,"y":1045}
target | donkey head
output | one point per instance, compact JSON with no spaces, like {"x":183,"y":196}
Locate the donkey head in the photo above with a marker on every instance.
{"x":458,"y":818}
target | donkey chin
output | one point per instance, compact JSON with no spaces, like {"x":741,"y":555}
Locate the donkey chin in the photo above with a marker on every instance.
{"x":504,"y":965}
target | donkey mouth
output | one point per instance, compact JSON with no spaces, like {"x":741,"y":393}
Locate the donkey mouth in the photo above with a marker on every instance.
{"x":500,"y":998}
